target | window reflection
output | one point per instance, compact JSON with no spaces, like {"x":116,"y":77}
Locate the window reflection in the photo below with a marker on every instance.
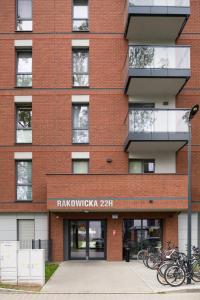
{"x":80,"y":124}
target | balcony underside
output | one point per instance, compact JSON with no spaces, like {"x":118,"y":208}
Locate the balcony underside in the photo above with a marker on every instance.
{"x":153,"y":83}
{"x":151,"y":142}
{"x":155,"y":23}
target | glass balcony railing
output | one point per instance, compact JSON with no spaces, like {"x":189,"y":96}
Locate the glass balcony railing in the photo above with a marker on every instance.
{"x":158,"y":120}
{"x":158,"y":57}
{"x":172,"y":3}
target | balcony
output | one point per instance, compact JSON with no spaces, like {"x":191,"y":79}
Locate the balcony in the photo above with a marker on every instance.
{"x":156,"y":71}
{"x":109,"y":192}
{"x":155,"y":19}
{"x":156,"y":130}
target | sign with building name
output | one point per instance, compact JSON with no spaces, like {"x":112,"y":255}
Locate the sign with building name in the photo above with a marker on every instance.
{"x":84,"y":203}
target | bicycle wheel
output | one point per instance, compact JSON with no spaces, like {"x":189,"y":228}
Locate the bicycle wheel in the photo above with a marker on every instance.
{"x":153,"y":261}
{"x":141,"y":254}
{"x":175,"y":276}
{"x":196,"y":271}
{"x":145,"y":261}
{"x":161,"y":279}
{"x":163,"y":267}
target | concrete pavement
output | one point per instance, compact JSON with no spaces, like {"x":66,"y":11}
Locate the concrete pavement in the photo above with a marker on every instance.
{"x":107,"y":277}
{"x":99,"y":297}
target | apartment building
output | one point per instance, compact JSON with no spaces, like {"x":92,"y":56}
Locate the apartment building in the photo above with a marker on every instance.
{"x":94,"y":102}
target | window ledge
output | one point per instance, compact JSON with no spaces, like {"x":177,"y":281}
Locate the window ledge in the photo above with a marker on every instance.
{"x":23,"y":31}
{"x":82,"y":144}
{"x":80,"y":87}
{"x":23,"y":87}
{"x":23,"y":201}
{"x":81,"y":31}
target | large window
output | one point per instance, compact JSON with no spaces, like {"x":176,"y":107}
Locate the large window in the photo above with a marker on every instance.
{"x":24,"y":124}
{"x":142,"y":234}
{"x":80,"y":67}
{"x":24,"y":15}
{"x":80,"y":124}
{"x":137,"y":166}
{"x":80,"y":15}
{"x":24,"y":180}
{"x":80,"y":166}
{"x":24,"y":68}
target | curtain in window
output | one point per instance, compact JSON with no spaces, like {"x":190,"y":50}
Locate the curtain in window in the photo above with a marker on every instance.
{"x":24,"y":62}
{"x":80,"y":9}
{"x":135,"y":167}
{"x":25,"y":9}
{"x":80,"y":167}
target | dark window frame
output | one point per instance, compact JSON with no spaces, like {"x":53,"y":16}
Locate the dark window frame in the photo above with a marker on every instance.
{"x":18,"y":19}
{"x":17,"y":107}
{"x":76,"y":129}
{"x":143,"y":161}
{"x":80,"y":160}
{"x":79,"y":19}
{"x":16,"y":180}
{"x":77,"y":49}
{"x":23,"y":50}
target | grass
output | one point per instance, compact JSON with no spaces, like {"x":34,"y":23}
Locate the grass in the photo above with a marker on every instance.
{"x":50,"y":268}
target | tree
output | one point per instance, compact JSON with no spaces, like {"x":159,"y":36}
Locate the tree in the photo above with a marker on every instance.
{"x":141,"y":57}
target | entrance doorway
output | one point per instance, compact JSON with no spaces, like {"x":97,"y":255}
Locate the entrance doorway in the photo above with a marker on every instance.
{"x":87,"y":239}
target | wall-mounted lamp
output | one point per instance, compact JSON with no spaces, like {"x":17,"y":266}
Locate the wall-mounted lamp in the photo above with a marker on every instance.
{"x":109,"y":160}
{"x":115,"y":216}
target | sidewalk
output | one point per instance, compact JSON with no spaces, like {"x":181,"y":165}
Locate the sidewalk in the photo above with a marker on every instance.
{"x":107,"y":277}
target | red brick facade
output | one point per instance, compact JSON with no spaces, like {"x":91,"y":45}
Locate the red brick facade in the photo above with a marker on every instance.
{"x":52,"y":113}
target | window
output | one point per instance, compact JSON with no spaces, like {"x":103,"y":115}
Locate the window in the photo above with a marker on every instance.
{"x":80,"y":124}
{"x":24,"y":15}
{"x":80,"y":67}
{"x":24,"y":180}
{"x":24,"y":124}
{"x":25,"y":230}
{"x":141,"y":166}
{"x":24,"y":68}
{"x":80,"y":166}
{"x":80,"y":15}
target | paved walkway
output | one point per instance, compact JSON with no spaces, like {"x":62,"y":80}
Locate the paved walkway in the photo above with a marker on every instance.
{"x":98,"y":297}
{"x":106,"y":277}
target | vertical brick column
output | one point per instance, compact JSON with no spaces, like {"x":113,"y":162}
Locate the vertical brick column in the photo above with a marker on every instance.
{"x":170,"y":229}
{"x":114,"y":239}
{"x":56,"y":229}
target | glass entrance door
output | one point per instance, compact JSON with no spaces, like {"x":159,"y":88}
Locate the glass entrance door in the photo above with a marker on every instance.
{"x":87,"y":239}
{"x":78,"y":239}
